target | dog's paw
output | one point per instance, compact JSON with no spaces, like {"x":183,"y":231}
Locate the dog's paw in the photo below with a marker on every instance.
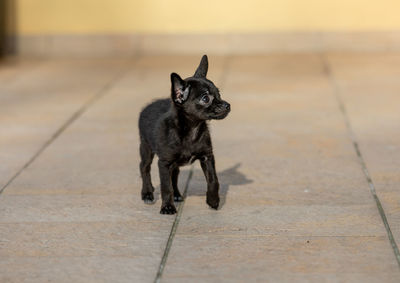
{"x":148,"y":197}
{"x":178,"y":197}
{"x":213,"y":201}
{"x":168,"y":209}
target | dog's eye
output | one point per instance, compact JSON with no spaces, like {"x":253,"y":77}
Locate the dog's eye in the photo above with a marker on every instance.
{"x":205,"y":99}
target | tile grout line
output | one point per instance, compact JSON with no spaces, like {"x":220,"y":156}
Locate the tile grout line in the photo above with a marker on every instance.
{"x":225,"y":68}
{"x":173,"y":230}
{"x":328,"y":71}
{"x":98,"y":95}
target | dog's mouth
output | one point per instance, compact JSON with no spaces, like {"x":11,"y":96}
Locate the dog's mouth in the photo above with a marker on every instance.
{"x":219,"y":116}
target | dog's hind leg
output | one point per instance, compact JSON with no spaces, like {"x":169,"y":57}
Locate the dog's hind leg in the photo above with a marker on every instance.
{"x":145,"y":165}
{"x":177,"y":195}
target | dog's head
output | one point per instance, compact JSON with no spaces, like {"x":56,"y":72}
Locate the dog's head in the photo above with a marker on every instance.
{"x":197,"y":96}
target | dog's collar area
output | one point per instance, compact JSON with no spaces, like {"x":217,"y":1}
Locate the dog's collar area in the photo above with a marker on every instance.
{"x":192,"y":159}
{"x":203,"y":158}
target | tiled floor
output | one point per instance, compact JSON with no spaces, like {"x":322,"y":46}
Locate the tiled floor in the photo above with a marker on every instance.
{"x":297,"y":196}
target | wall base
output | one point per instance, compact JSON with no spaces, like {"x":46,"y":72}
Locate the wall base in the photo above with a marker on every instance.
{"x":126,"y":45}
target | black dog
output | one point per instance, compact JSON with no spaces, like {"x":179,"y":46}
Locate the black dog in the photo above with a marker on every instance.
{"x":176,"y":130}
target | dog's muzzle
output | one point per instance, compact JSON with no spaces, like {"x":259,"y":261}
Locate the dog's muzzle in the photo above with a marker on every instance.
{"x":224,"y":110}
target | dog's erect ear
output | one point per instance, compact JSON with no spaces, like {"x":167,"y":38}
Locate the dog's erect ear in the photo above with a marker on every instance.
{"x":179,"y":89}
{"x":202,"y":69}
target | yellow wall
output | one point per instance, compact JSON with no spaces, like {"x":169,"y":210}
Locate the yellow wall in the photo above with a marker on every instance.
{"x":182,"y":16}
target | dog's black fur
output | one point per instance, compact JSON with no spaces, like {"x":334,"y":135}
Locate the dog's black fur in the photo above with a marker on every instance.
{"x":176,"y":130}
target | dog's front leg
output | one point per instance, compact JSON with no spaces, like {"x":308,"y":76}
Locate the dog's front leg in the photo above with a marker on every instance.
{"x":208,"y":166}
{"x":167,"y":193}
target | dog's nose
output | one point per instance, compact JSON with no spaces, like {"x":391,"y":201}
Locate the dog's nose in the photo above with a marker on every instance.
{"x":227,"y":106}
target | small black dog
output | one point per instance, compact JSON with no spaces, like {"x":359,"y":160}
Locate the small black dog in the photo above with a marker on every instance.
{"x":176,"y":130}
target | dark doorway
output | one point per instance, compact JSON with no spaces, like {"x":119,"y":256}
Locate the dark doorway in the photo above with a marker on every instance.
{"x":7,"y":27}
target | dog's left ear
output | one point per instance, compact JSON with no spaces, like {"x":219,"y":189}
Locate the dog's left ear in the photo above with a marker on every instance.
{"x":179,"y":89}
{"x":202,"y":69}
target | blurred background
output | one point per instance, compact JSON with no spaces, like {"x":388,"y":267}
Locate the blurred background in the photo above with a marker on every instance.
{"x":122,"y":27}
{"x":308,"y":159}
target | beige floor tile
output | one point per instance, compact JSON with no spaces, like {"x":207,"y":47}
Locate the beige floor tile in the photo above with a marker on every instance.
{"x":73,"y":208}
{"x":280,"y":259}
{"x":369,"y":88}
{"x":35,"y":105}
{"x":77,"y":269}
{"x":13,"y":68}
{"x":136,"y":236}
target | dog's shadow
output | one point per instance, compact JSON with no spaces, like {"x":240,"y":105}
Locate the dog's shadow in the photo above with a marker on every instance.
{"x":228,"y":177}
{"x":198,"y":185}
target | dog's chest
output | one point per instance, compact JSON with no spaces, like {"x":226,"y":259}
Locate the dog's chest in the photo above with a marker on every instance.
{"x":190,"y":150}
{"x":187,"y":155}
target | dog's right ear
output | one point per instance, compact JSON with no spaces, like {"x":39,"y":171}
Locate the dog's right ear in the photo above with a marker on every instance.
{"x":202,"y":69}
{"x":179,"y":89}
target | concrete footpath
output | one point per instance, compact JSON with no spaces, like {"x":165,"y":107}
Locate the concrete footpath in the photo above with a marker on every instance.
{"x":308,"y":161}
